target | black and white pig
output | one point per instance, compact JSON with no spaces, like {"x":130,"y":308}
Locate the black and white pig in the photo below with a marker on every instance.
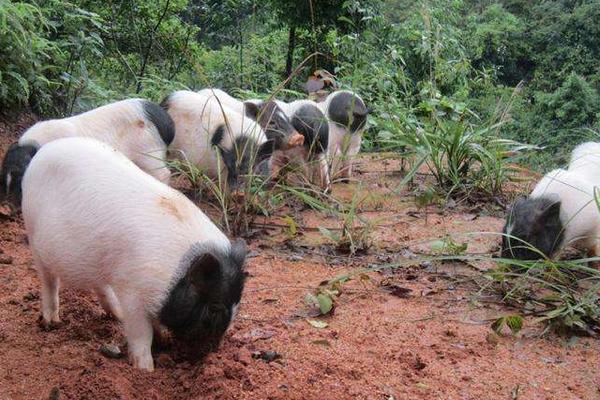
{"x":560,"y":211}
{"x":138,"y":128}
{"x":311,"y":123}
{"x":269,"y":116}
{"x":347,"y":116}
{"x":96,"y":221}
{"x":216,"y":139}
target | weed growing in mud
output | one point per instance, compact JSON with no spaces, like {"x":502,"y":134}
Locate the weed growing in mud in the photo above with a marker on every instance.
{"x":563,"y":294}
{"x":355,"y":232}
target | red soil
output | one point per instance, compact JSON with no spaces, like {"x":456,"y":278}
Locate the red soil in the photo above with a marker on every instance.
{"x":433,"y":342}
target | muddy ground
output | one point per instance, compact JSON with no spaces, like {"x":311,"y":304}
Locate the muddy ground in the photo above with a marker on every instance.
{"x":418,"y":332}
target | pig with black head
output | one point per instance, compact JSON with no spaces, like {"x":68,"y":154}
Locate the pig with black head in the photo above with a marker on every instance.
{"x":267,"y":114}
{"x":138,"y":128}
{"x":96,"y":221}
{"x":560,"y":211}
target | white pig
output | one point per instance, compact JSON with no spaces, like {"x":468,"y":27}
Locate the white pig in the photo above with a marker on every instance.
{"x":96,"y":221}
{"x":138,"y":128}
{"x":215,"y":138}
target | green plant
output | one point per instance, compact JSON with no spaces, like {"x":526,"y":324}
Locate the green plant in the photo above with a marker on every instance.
{"x":448,"y":246}
{"x":513,"y":322}
{"x":355,"y":232}
{"x":563,"y":294}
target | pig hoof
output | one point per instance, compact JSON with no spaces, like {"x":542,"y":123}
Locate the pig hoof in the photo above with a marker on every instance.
{"x":143,"y":362}
{"x":48,"y":326}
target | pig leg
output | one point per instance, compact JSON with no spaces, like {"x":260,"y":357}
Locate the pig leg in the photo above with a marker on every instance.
{"x":50,"y":302}
{"x":138,"y":330}
{"x":350,"y":153}
{"x":109,"y":302}
{"x":320,"y":172}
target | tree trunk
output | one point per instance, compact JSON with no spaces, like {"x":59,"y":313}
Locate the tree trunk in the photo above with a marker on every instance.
{"x":290,"y":53}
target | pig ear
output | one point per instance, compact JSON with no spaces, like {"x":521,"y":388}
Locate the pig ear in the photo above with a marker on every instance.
{"x":238,"y":252}
{"x":204,"y":270}
{"x":547,"y":217}
{"x":265,"y":150}
{"x":252,"y":110}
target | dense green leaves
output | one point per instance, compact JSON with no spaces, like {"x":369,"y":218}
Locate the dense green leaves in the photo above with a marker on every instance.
{"x":425,"y":67}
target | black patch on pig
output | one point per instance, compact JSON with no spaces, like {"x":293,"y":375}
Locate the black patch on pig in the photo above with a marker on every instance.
{"x":200,"y":303}
{"x":272,"y":120}
{"x":217,"y":137}
{"x":242,"y":159}
{"x":348,"y":110}
{"x":14,"y":165}
{"x":160,"y":119}
{"x":535,"y":221}
{"x":311,"y":123}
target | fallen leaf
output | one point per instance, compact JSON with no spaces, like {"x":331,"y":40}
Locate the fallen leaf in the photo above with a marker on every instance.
{"x":398,"y":291}
{"x":318,"y":324}
{"x":325,"y":303}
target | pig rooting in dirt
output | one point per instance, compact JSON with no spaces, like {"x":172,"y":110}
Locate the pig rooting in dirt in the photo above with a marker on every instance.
{"x":204,"y":300}
{"x":96,"y":221}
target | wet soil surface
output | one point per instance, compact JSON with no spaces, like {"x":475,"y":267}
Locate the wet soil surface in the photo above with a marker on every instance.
{"x":419,"y":331}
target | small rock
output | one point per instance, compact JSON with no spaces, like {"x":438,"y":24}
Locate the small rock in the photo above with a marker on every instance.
{"x":266,"y":355}
{"x":111,"y":351}
{"x":295,"y":257}
{"x":259,"y":334}
{"x":5,"y":259}
{"x":54,"y":394}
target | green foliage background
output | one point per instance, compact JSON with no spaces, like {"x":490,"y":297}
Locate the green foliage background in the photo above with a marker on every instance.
{"x":513,"y":69}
